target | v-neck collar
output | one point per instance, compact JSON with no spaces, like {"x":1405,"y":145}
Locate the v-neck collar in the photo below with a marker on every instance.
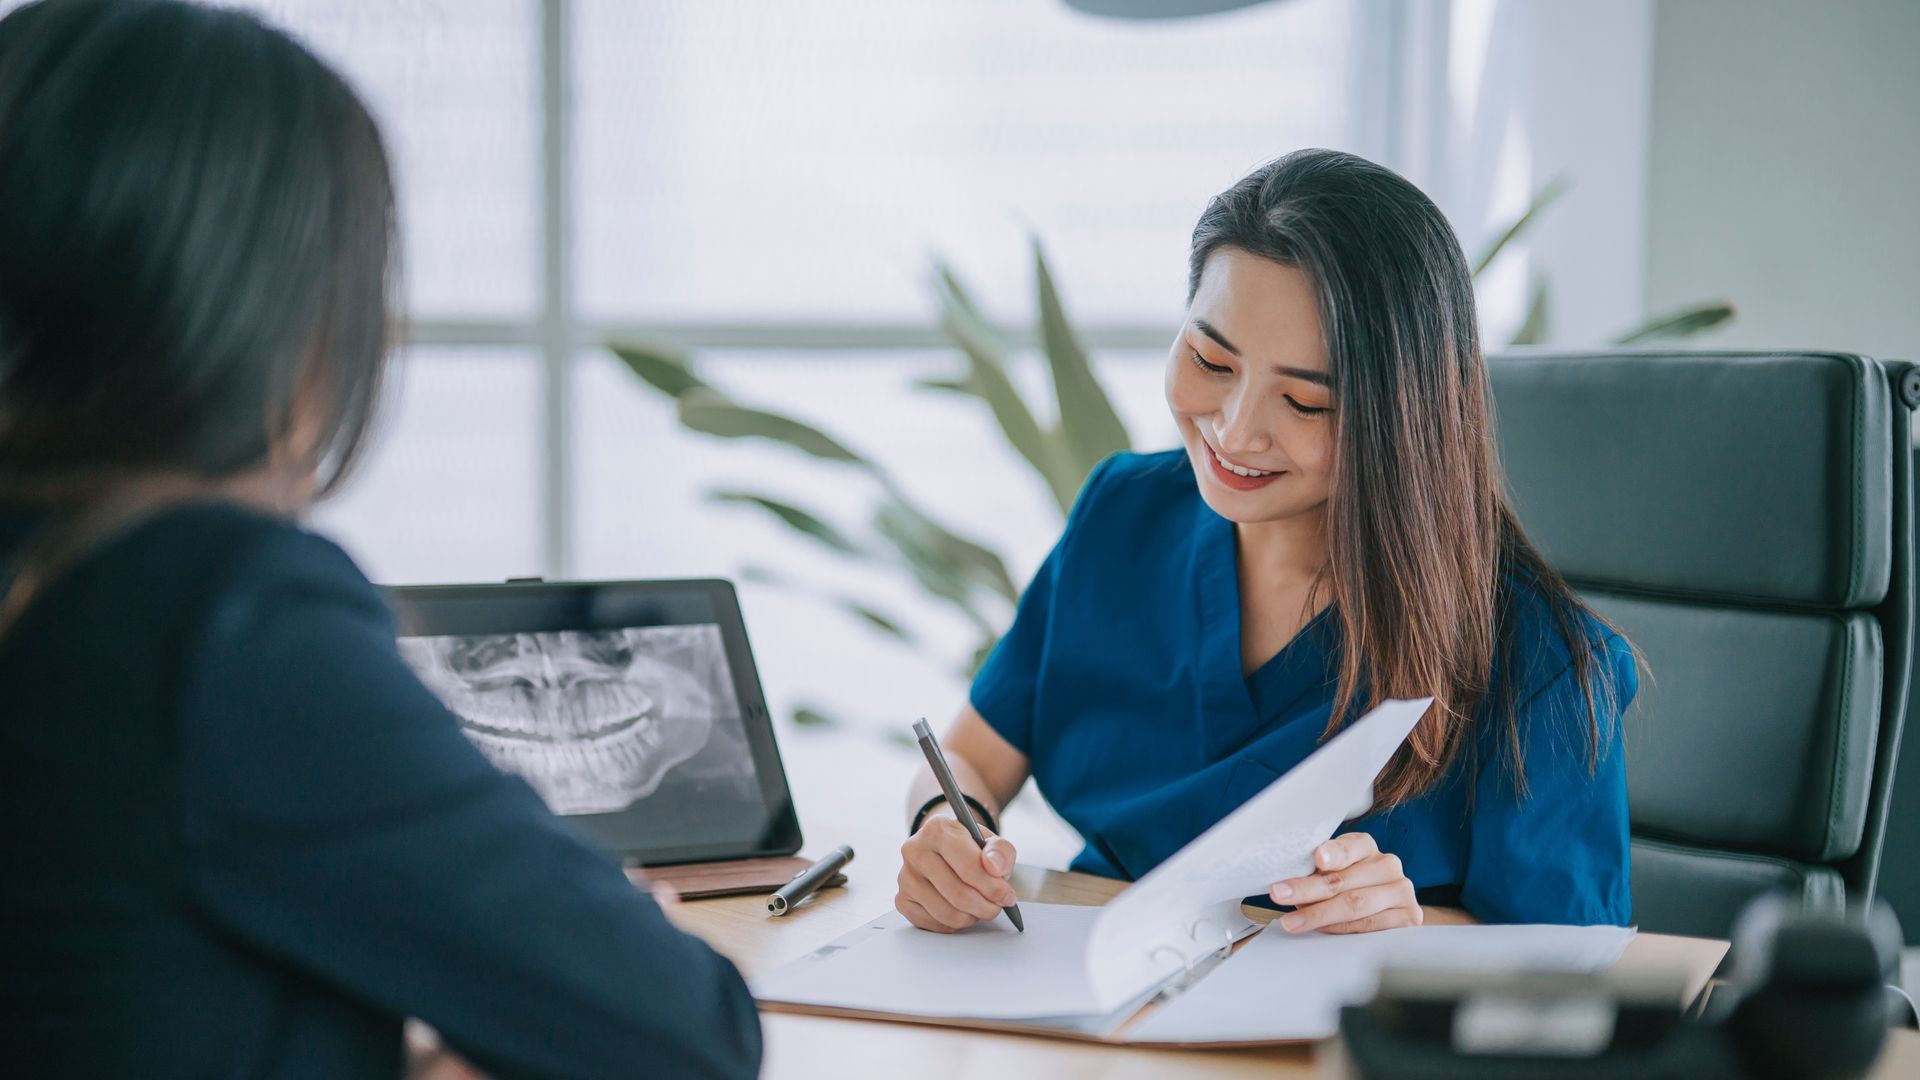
{"x":1238,"y":705}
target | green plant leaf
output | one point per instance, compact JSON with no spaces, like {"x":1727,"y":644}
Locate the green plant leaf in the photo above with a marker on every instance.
{"x":873,"y":617}
{"x":881,"y":622}
{"x":807,"y":716}
{"x":761,"y":575}
{"x":987,"y":380}
{"x":796,"y":518}
{"x":941,"y":568}
{"x":946,"y":386}
{"x":971,"y":561}
{"x":712,"y":413}
{"x":666,"y":368}
{"x":954,"y":297}
{"x":939,"y":576}
{"x":1686,"y":322}
{"x":1090,"y":428}
{"x":1533,"y":329}
{"x":1541,"y":200}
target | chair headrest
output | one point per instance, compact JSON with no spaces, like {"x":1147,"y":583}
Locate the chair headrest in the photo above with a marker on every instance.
{"x":1746,"y":476}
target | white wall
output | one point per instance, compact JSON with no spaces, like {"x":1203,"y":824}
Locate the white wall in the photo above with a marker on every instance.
{"x":1765,"y":152}
{"x":1784,"y":170}
{"x":1502,"y":97}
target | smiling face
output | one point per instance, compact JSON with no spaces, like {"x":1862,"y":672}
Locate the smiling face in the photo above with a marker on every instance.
{"x":1248,"y":385}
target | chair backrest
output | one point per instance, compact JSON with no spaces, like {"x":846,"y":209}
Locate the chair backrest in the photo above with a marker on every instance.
{"x":1899,"y":881}
{"x":1746,"y":520}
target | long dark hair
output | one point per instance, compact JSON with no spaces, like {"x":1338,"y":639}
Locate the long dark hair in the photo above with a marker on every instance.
{"x":196,"y":244}
{"x":1425,"y":553}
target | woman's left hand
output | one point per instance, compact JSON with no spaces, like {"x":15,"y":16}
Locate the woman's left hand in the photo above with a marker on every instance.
{"x":1354,"y":889}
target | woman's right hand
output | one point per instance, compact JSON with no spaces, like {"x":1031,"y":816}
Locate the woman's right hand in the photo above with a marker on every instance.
{"x":947,"y":882}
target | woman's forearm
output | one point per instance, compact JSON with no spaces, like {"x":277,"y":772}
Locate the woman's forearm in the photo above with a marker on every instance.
{"x":984,"y":765}
{"x":925,"y":787}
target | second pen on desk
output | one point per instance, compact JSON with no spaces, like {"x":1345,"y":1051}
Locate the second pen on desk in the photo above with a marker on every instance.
{"x":937,"y":761}
{"x":809,"y":881}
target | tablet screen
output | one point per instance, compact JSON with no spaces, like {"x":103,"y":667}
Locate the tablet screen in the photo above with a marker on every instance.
{"x":649,"y":734}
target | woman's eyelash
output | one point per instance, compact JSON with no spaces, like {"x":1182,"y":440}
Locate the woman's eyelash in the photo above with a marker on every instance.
{"x":1214,"y":369}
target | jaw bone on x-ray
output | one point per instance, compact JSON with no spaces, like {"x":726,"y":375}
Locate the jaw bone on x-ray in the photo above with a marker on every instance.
{"x":594,"y":720}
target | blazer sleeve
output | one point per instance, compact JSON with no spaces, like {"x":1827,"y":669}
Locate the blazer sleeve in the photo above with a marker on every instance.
{"x":333,"y":816}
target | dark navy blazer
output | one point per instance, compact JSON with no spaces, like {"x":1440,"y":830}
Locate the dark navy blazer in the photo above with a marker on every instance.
{"x":238,"y":838}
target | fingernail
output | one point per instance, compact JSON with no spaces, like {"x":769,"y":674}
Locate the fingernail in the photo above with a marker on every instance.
{"x":1283,"y":891}
{"x":1292,"y":922}
{"x":998,"y":860}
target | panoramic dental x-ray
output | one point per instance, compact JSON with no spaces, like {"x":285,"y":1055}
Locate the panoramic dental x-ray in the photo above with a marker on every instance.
{"x":594,"y":720}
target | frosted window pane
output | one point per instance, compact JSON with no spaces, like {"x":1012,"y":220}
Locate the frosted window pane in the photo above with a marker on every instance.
{"x":455,"y":85}
{"x":449,"y":491}
{"x":800,"y":160}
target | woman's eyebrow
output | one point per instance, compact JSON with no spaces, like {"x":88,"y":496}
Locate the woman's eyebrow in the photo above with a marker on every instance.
{"x":1304,"y":373}
{"x":1220,"y":339}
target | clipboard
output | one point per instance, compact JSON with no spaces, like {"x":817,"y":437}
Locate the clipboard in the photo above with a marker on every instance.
{"x":1110,"y":1029}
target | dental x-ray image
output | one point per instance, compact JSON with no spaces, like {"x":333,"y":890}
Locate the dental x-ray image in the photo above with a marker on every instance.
{"x":596,"y":720}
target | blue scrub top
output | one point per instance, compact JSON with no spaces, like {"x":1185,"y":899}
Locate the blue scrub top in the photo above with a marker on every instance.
{"x":1120,"y":680}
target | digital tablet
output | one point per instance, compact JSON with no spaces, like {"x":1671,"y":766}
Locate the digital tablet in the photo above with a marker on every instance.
{"x":632,"y":707}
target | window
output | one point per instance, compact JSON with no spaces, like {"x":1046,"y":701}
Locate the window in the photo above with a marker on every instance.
{"x":779,"y":176}
{"x":742,"y":161}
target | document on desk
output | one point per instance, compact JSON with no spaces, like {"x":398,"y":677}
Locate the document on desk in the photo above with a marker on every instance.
{"x":989,"y":971}
{"x":1281,"y":987}
{"x":1094,"y":963}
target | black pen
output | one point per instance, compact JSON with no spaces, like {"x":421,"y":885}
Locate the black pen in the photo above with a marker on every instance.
{"x":807,"y":881}
{"x":938,"y":762}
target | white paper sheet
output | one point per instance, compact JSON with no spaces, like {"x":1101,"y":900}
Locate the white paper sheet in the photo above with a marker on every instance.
{"x":1086,"y":962}
{"x":1183,"y":907}
{"x":989,"y":971}
{"x":1281,"y":986}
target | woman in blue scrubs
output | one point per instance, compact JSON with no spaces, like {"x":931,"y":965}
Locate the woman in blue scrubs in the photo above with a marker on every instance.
{"x":1335,"y":531}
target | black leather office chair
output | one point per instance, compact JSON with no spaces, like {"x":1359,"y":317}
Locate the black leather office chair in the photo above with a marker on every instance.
{"x":1747,"y":520}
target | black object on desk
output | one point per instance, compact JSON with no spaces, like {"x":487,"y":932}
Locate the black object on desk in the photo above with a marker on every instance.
{"x":938,"y":762}
{"x":808,"y":881}
{"x":1806,"y":999}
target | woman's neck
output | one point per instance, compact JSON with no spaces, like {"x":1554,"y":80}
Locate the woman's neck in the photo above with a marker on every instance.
{"x":267,"y":489}
{"x":1286,"y":552}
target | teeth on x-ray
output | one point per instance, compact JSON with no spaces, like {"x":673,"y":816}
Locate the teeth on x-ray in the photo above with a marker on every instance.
{"x":594,"y":720}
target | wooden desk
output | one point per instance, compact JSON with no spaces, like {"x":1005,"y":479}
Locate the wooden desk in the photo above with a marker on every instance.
{"x":808,"y":1046}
